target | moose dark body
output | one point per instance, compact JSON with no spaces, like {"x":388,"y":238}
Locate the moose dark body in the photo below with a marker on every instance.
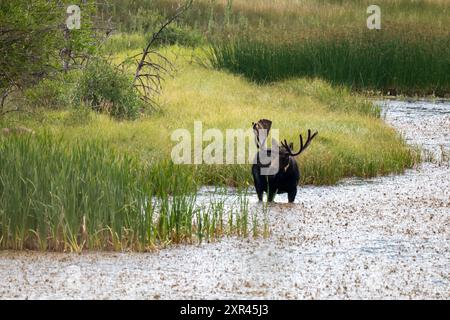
{"x":285,"y":181}
{"x":288,"y":175}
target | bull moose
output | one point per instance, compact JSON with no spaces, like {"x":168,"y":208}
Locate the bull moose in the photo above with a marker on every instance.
{"x":286,"y":174}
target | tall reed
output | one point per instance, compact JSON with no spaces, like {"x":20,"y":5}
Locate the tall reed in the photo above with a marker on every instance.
{"x":369,"y":60}
{"x":62,"y":196}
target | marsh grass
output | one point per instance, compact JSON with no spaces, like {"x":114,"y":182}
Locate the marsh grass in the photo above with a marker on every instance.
{"x":83,"y":195}
{"x":374,"y":61}
{"x":267,"y":41}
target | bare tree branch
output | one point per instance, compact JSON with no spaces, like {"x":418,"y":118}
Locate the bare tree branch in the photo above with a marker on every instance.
{"x":156,"y":35}
{"x":149,"y":81}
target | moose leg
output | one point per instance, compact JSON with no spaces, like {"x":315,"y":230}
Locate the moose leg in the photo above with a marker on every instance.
{"x":260,"y":193}
{"x":291,"y":195}
{"x":259,"y":187}
{"x":271,"y":195}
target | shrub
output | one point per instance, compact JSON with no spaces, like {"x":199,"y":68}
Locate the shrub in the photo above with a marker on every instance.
{"x":31,"y":36}
{"x":107,"y":89}
{"x":48,"y":93}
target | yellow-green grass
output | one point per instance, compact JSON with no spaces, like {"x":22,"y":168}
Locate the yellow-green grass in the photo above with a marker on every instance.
{"x":352,"y":141}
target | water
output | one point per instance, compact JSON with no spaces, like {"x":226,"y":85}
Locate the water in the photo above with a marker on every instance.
{"x":387,"y":237}
{"x":423,"y":123}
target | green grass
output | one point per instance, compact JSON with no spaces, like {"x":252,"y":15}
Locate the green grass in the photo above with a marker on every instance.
{"x":370,"y":61}
{"x":125,"y":41}
{"x":62,"y":196}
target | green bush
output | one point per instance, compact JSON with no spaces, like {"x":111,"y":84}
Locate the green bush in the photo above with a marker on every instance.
{"x":49,"y":93}
{"x":31,"y":37}
{"x":107,"y":89}
{"x":46,"y":93}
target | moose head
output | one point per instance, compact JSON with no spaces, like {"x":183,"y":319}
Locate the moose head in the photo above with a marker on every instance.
{"x":284,"y":152}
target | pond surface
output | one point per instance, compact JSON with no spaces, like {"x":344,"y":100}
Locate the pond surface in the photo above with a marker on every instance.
{"x":382,"y":238}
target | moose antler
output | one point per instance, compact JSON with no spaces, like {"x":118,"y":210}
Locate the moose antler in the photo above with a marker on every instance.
{"x":302,"y":146}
